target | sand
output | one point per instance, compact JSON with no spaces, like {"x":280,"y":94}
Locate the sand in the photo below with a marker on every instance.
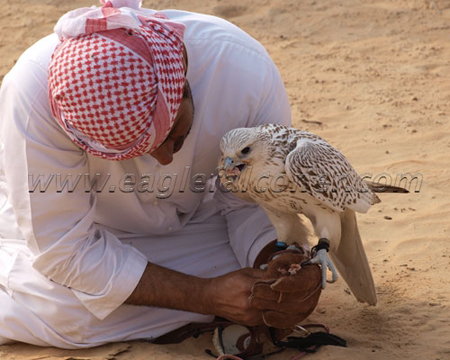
{"x":373,"y":78}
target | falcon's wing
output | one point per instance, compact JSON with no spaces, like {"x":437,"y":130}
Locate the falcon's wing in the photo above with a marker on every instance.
{"x":325,"y":174}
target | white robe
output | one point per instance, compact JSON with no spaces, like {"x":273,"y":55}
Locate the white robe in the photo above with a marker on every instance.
{"x":70,"y":257}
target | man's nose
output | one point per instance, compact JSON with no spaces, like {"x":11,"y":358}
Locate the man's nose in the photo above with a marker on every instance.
{"x":165,"y":159}
{"x":164,"y":154}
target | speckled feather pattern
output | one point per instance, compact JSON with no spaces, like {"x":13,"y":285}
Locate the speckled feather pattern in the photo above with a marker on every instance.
{"x":319,"y":173}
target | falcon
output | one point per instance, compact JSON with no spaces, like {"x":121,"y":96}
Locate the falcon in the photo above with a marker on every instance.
{"x":289,"y":172}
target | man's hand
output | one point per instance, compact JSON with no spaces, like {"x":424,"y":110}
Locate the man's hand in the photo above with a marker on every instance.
{"x":226,"y":296}
{"x":230,"y":294}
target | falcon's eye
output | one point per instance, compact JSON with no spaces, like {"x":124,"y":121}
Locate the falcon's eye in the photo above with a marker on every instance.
{"x":246,"y":150}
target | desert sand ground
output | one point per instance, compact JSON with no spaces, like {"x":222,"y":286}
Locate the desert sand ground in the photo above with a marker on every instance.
{"x":373,"y":78}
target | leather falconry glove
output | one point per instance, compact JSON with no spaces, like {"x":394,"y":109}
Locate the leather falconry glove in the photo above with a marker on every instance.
{"x":289,"y":292}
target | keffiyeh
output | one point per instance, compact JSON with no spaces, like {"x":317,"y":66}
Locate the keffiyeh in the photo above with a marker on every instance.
{"x":116,"y":80}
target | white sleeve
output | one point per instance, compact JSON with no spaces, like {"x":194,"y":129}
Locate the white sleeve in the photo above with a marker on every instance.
{"x":58,"y":226}
{"x":249,"y":228}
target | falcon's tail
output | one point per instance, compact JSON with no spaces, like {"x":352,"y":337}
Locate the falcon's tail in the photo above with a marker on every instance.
{"x":380,"y":188}
{"x":351,"y":261}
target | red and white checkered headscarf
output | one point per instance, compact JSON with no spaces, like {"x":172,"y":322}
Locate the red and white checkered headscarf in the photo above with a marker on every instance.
{"x":116,"y":80}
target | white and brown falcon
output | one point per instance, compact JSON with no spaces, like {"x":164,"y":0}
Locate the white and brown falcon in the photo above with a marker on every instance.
{"x":289,"y":171}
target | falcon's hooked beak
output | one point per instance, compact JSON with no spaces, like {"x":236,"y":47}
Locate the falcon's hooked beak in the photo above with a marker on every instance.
{"x":233,"y":167}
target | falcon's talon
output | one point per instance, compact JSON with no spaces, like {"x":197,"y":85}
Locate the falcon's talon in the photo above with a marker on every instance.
{"x":324,"y":261}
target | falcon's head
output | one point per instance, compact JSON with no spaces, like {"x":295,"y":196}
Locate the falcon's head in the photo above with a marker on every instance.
{"x":241,"y":148}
